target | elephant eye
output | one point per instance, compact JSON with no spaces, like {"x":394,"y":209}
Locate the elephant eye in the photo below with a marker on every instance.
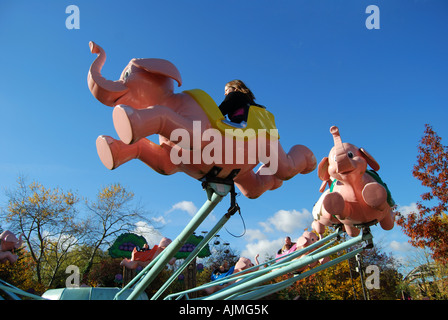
{"x":126,"y":74}
{"x":350,"y":154}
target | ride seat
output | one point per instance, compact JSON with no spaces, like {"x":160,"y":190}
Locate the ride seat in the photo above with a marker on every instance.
{"x":258,"y":118}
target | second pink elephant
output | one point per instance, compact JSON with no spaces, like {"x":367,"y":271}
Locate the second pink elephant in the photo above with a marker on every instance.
{"x":356,"y":195}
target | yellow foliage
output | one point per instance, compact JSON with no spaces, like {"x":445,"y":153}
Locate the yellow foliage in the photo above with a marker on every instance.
{"x":21,"y":274}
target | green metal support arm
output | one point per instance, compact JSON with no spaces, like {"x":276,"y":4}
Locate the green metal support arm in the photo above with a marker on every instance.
{"x":201,"y":245}
{"x":259,"y":277}
{"x":215,"y":193}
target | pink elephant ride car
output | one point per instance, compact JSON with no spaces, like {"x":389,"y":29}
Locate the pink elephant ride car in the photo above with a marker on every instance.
{"x":217,"y":274}
{"x":242,"y":264}
{"x":305,"y":240}
{"x":356,"y":196}
{"x":143,"y":257}
{"x":281,"y":253}
{"x":194,"y":136}
{"x":8,"y":244}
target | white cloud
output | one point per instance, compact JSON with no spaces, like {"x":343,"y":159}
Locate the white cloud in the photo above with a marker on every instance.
{"x":159,"y":220}
{"x":64,"y":241}
{"x":254,"y":234}
{"x":152,"y":235}
{"x":406,"y":210}
{"x":266,"y":226}
{"x":263,"y":248}
{"x":279,"y":225}
{"x":400,"y":246}
{"x":187,"y":206}
{"x":291,"y":221}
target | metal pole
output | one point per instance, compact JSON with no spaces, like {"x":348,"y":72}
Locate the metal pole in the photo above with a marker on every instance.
{"x":245,"y":276}
{"x":137,"y":277}
{"x":351,"y":278}
{"x":240,"y":287}
{"x":216,"y":193}
{"x":259,"y":293}
{"x":193,"y":254}
{"x":12,"y":290}
{"x":360,"y":270}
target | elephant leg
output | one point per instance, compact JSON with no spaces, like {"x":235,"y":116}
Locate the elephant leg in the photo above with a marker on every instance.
{"x":388,"y":221}
{"x":157,"y":157}
{"x":130,"y":264}
{"x":299,"y":159}
{"x":324,"y":260}
{"x":253,"y":185}
{"x":351,"y":230}
{"x":375,"y":195}
{"x":8,"y":256}
{"x":210,"y":290}
{"x":318,"y":227}
{"x":134,"y":124}
{"x":334,"y":204}
{"x":114,"y":153}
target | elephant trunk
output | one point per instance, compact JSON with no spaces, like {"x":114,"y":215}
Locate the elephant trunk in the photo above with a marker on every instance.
{"x":19,"y":242}
{"x":343,"y":162}
{"x":106,"y":91}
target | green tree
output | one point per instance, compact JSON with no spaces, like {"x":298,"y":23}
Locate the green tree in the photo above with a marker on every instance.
{"x":104,"y":272}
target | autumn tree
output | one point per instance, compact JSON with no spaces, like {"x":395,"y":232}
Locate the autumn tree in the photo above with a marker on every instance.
{"x":428,"y":279}
{"x":388,"y":266}
{"x":21,"y":274}
{"x":104,"y":273}
{"x":47,"y":219}
{"x":428,"y":227}
{"x":113,"y":212}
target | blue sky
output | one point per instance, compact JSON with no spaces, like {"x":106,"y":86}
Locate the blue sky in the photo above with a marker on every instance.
{"x":314,"y":64}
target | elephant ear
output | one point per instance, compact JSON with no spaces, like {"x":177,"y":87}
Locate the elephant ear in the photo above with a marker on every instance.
{"x":164,"y":242}
{"x":301,"y":242}
{"x":159,"y":66}
{"x":243,"y":263}
{"x":370,"y":159}
{"x":322,"y":169}
{"x":322,"y":172}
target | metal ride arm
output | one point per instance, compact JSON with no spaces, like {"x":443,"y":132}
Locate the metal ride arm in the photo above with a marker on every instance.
{"x":271,"y":264}
{"x":215,"y":193}
{"x":247,"y":285}
{"x":250,"y":285}
{"x":14,"y":292}
{"x":248,"y":288}
{"x":233,"y":208}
